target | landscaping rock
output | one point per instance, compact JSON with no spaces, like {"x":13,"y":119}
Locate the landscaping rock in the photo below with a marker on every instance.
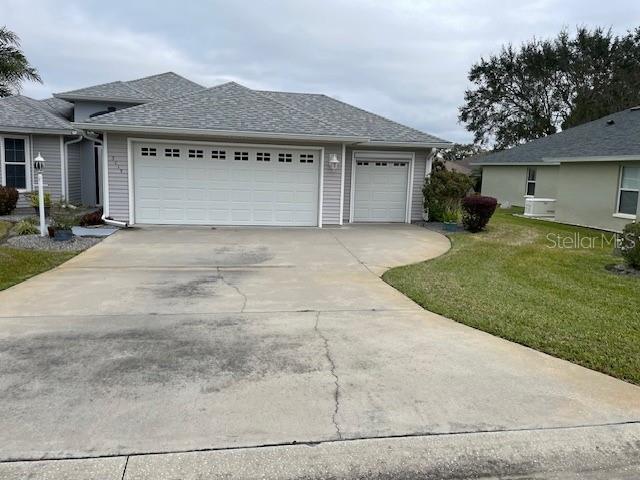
{"x":622,"y":270}
{"x":36,"y":242}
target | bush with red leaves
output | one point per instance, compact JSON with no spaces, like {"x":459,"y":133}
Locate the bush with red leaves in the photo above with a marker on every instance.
{"x":92,"y":218}
{"x":477,"y":211}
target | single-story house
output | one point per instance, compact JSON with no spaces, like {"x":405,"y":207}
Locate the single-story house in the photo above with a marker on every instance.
{"x":165,"y":150}
{"x":587,"y":175}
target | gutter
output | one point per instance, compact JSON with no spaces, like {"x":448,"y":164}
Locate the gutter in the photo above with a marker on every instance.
{"x":220,"y":133}
{"x":65,"y":163}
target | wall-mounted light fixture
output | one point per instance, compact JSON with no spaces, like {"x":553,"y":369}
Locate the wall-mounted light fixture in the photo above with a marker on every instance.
{"x":334,"y":163}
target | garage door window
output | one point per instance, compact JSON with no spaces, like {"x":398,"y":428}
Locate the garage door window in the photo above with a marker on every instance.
{"x":148,"y":152}
{"x":218,"y":154}
{"x":306,"y":158}
{"x":172,"y":152}
{"x":285,"y":157}
{"x":241,"y":156}
{"x":196,"y":153}
{"x":263,"y":157}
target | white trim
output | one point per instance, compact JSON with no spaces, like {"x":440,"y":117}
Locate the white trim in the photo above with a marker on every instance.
{"x":595,"y":158}
{"x":343,"y":159}
{"x":410,"y":188}
{"x":514,"y":164}
{"x":619,"y":194}
{"x":45,"y":131}
{"x":131,"y":187}
{"x":408,"y":157}
{"x":626,"y":216}
{"x":223,"y":144}
{"x":131,"y":155}
{"x":64,"y":179}
{"x":105,"y":175}
{"x":321,"y":189}
{"x":419,"y":145}
{"x":95,"y":127}
{"x":353,"y":185}
{"x":93,"y":98}
{"x":28,"y":160}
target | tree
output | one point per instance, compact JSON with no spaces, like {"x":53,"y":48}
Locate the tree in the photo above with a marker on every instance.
{"x":14,"y":66}
{"x":544,"y":86}
{"x":460,"y":151}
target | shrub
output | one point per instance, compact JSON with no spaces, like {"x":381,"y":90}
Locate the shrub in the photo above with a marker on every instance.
{"x":92,"y":218}
{"x":8,"y":200}
{"x":443,"y":188}
{"x":630,"y":246}
{"x":451,"y":213}
{"x":35,"y":199}
{"x":477,"y":211}
{"x":64,"y":219}
{"x":26,"y":227}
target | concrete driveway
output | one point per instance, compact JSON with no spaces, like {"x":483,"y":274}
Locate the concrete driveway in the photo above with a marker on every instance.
{"x":226,"y":341}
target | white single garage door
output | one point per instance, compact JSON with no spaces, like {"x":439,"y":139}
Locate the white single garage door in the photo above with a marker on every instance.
{"x":225,"y":185}
{"x":380,"y":190}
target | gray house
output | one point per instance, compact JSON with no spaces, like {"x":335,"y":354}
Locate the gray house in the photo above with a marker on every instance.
{"x":588,"y":175}
{"x":165,"y":150}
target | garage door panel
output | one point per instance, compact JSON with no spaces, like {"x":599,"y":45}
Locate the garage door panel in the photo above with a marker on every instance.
{"x":205,"y":190}
{"x":380,"y":192}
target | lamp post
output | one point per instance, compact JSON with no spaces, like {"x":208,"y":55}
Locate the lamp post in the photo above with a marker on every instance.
{"x":38,"y":163}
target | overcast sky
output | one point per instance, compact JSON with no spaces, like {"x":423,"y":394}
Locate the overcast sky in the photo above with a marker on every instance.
{"x":404,"y":59}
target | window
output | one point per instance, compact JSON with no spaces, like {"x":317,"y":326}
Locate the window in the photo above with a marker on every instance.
{"x":148,"y":152}
{"x":263,"y":157}
{"x":243,"y":156}
{"x":381,"y":164}
{"x":398,"y":164}
{"x":285,"y":157}
{"x":531,"y":181}
{"x":629,"y":189}
{"x":15,"y":163}
{"x":306,"y":158}
{"x":195,"y":153}
{"x":364,"y":164}
{"x":172,"y":152}
{"x":218,"y":154}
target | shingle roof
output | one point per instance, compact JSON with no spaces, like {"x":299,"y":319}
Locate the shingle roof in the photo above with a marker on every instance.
{"x":615,"y":134}
{"x":59,"y":107}
{"x":24,"y":113}
{"x":360,"y":121}
{"x":233,"y":107}
{"x":155,"y":87}
{"x":227,"y":107}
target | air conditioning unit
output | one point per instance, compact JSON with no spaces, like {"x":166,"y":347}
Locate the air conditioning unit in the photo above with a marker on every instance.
{"x":539,"y":207}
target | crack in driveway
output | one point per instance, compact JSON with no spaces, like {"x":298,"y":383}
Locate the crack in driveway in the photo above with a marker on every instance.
{"x":336,"y":393}
{"x":235,"y":287}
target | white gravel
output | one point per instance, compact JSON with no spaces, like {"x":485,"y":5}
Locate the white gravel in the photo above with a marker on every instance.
{"x":36,"y":242}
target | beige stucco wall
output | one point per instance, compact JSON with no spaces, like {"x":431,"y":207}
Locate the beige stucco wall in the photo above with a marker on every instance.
{"x":508,"y":183}
{"x":587,"y":194}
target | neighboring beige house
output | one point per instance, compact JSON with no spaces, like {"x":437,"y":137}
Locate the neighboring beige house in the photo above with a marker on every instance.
{"x":587,"y":175}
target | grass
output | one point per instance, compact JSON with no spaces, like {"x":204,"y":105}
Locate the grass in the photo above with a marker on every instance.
{"x":18,"y":265}
{"x":509,"y":282}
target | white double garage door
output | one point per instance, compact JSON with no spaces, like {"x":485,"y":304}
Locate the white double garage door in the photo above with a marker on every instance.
{"x":183,"y":184}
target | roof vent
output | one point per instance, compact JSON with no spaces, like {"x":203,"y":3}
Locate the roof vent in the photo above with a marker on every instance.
{"x":611,"y":122}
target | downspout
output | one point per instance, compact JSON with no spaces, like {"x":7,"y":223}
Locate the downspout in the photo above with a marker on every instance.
{"x":105,"y":219}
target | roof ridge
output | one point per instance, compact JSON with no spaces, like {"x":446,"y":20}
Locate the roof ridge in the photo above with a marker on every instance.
{"x":32,"y":102}
{"x":256,"y":92}
{"x":170,"y":72}
{"x":157,"y":102}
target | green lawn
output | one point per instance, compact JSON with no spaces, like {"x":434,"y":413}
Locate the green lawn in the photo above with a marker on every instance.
{"x":508,"y":281}
{"x":18,"y":265}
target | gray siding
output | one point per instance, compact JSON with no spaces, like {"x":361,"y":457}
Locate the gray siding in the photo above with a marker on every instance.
{"x":74,"y":176}
{"x":118,"y":176}
{"x":332,"y":187}
{"x":83,"y":109}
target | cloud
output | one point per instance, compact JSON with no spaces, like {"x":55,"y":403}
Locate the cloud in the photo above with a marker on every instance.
{"x":405,"y":59}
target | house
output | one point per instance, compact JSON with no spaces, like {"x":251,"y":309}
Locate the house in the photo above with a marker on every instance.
{"x":587,"y":175}
{"x":165,"y":150}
